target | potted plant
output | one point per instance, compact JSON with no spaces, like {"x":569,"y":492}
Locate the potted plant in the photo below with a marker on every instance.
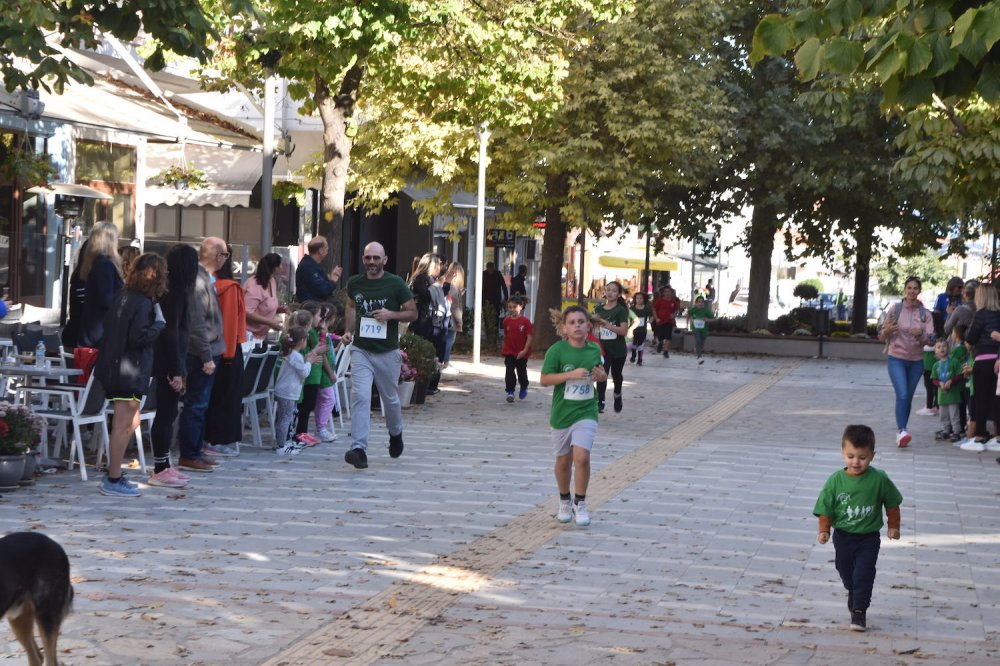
{"x":181,"y":178}
{"x":19,"y":431}
{"x":288,"y":192}
{"x":407,"y":380}
{"x":28,"y":168}
{"x":421,"y":357}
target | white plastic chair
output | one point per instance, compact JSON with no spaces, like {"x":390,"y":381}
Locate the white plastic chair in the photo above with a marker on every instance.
{"x":340,"y":384}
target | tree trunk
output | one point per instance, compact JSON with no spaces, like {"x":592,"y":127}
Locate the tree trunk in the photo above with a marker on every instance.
{"x":550,"y":271}
{"x":862,"y":271}
{"x":335,"y":112}
{"x":762,"y":229}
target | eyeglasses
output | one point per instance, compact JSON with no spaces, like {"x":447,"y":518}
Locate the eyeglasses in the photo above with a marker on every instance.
{"x":372,"y":258}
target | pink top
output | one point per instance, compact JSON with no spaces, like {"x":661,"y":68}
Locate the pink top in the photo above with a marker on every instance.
{"x":904,"y":344}
{"x":261,"y":302}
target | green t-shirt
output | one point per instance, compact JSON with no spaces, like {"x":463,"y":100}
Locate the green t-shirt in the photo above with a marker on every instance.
{"x":316,"y":369}
{"x":614,"y":344}
{"x":389,"y":292}
{"x":854,"y":503}
{"x":696,"y":315}
{"x":574,"y":400}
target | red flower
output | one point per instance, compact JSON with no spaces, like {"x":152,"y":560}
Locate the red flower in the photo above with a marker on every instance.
{"x":4,"y":428}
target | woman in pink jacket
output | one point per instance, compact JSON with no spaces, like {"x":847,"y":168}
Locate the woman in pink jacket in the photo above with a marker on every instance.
{"x":907,"y":327}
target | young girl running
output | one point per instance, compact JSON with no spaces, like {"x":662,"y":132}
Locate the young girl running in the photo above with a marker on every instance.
{"x":642,"y":311}
{"x":516,"y":346}
{"x":571,"y":366}
{"x":618,"y":319}
{"x":288,"y":385}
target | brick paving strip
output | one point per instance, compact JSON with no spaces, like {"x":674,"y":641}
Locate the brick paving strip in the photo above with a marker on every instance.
{"x":374,"y":628}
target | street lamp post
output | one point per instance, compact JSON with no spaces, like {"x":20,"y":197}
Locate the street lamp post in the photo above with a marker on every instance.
{"x":483,"y":133}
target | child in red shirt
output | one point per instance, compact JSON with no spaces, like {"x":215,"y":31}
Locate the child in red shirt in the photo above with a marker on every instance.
{"x":517,"y":332}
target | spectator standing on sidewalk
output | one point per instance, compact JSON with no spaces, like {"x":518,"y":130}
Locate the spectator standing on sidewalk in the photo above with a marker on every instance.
{"x":312,"y":283}
{"x":125,"y":362}
{"x":170,"y":362}
{"x":962,"y":313}
{"x":260,"y":295}
{"x":571,"y":367}
{"x":224,"y":430}
{"x":205,"y":347}
{"x":984,"y":336}
{"x":494,"y":291}
{"x":376,"y":302}
{"x":851,"y":502}
{"x":101,"y":272}
{"x":456,"y":308}
{"x":518,"y":283}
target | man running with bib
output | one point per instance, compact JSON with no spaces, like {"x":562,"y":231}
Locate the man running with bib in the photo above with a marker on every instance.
{"x":376,"y":302}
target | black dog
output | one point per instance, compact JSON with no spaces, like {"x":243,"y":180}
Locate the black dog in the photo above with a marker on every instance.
{"x":34,"y":588}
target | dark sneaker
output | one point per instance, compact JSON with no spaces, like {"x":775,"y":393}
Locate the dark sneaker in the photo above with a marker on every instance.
{"x":510,"y":396}
{"x":395,"y":445}
{"x":357,"y":457}
{"x":632,"y":358}
{"x":858,"y":620}
{"x":618,"y":402}
{"x":639,"y":362}
{"x":941,"y":434}
{"x":666,"y":354}
{"x":600,"y":408}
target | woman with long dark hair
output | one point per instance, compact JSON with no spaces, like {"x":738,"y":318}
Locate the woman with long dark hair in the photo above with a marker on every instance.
{"x":224,"y":430}
{"x":125,"y":362}
{"x":261,"y":298}
{"x":170,"y":363}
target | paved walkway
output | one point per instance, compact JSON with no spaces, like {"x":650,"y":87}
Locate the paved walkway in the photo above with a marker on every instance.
{"x":702,"y":549}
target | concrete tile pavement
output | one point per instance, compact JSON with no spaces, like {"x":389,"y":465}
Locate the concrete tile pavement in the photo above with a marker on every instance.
{"x":709,"y":557}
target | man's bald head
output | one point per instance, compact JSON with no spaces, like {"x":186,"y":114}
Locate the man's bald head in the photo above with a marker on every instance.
{"x":373,"y":249}
{"x":374,"y":259}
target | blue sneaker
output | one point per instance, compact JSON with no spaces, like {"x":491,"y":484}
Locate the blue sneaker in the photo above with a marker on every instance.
{"x":120,"y":488}
{"x":522,"y":394}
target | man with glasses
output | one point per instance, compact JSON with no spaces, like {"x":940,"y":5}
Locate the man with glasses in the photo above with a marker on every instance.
{"x":205,"y":347}
{"x":312,"y":283}
{"x":376,"y":302}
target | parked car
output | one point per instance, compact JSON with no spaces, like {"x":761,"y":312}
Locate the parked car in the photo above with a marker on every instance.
{"x":738,"y":306}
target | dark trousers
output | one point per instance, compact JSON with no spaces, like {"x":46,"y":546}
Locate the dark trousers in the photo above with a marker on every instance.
{"x":226,"y":404}
{"x":518,"y":366}
{"x":162,"y":431}
{"x":931,"y":390}
{"x":306,"y":407}
{"x":191,"y":428}
{"x":612,"y":366}
{"x":984,"y":385}
{"x":966,"y":404}
{"x":856,"y":556}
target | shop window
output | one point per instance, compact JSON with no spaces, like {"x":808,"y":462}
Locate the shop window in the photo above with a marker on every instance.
{"x":109,"y":162}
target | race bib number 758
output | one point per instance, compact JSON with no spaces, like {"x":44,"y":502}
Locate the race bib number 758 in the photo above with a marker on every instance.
{"x":578,"y":389}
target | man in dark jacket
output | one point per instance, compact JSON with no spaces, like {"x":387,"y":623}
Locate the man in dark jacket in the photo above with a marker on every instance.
{"x":205,"y":347}
{"x":312,"y":283}
{"x":518,"y":283}
{"x":494,"y":290}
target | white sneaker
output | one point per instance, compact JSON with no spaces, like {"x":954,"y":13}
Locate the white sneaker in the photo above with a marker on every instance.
{"x":993,"y":444}
{"x":903,"y":439}
{"x":327,"y":435}
{"x":958,"y":443}
{"x":973,"y":445}
{"x":582,"y":517}
{"x":565,"y":511}
{"x":926,"y":411}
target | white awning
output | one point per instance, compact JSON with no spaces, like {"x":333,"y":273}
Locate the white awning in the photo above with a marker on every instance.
{"x":168,"y":196}
{"x":231,"y":173}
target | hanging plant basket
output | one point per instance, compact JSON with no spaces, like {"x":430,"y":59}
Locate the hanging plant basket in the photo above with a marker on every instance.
{"x":181,"y":178}
{"x":26,"y":168}
{"x":289,"y":192}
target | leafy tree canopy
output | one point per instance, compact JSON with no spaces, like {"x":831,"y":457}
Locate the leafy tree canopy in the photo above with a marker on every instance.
{"x":38,"y":31}
{"x":927,"y":266}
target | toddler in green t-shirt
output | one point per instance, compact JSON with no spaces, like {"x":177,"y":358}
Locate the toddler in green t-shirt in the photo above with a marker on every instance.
{"x":851,"y":502}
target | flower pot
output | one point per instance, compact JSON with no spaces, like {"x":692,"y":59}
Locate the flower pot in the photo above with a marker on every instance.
{"x":406,"y":392}
{"x":420,"y":391}
{"x":28,"y":476}
{"x":11,"y":470}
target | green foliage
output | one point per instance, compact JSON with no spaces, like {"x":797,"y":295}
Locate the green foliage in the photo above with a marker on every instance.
{"x":181,"y":177}
{"x":27,"y":168}
{"x":420,"y":354}
{"x":727,"y":324}
{"x":808,"y":290}
{"x":804,"y":317}
{"x":840,"y":334}
{"x":927,"y":266}
{"x":784,"y":325}
{"x":19,"y":428}
{"x":38,"y":31}
{"x":288,"y":191}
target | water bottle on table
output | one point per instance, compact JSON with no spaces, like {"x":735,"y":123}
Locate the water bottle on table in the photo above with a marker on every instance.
{"x":40,"y":361}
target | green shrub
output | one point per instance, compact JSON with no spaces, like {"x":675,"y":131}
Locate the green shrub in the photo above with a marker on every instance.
{"x":840,"y":334}
{"x":802,"y":331}
{"x":728,"y":324}
{"x":806,"y":317}
{"x":784,"y":325}
{"x":419,"y":353}
{"x":872,"y":330}
{"x":807,"y":290}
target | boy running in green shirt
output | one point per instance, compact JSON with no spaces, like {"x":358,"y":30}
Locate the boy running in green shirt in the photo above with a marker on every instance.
{"x":851,"y":502}
{"x":572,"y":365}
{"x":698,"y":317}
